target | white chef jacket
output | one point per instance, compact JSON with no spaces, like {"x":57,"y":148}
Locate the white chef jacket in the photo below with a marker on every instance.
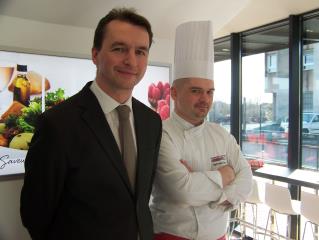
{"x":186,"y":203}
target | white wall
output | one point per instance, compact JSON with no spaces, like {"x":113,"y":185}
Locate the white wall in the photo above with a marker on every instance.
{"x":38,"y":37}
{"x":10,"y":224}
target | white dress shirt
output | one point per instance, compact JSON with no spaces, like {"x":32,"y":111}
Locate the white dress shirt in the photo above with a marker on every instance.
{"x":186,"y":203}
{"x":109,"y":105}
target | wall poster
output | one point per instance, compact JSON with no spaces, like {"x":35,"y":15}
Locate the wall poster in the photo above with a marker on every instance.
{"x":52,"y":79}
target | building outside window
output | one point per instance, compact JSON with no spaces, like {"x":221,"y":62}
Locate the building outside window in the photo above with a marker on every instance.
{"x":271,"y":62}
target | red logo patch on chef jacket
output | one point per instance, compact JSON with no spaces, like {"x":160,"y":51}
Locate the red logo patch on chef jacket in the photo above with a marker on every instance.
{"x":218,"y":161}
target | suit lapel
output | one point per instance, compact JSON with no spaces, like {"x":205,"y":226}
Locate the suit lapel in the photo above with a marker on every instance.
{"x":142,"y":159}
{"x":95,"y":120}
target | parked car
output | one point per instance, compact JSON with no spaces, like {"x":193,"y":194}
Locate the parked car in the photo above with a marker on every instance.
{"x":310,"y":123}
{"x":271,"y":132}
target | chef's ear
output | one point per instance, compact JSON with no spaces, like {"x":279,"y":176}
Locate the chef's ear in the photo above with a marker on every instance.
{"x":173,"y":92}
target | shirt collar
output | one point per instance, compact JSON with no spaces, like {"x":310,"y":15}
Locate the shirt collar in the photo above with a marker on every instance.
{"x":186,"y":126}
{"x":107,"y":103}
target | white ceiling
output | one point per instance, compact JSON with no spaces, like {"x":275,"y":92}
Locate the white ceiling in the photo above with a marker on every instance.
{"x":227,"y":15}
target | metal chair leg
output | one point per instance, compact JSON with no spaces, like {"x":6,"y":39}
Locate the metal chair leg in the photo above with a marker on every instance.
{"x":267,"y":224}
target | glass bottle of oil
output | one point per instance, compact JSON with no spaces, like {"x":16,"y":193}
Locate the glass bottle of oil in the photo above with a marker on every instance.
{"x":21,"y":91}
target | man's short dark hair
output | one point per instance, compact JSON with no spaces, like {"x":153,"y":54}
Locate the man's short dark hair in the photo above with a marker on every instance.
{"x":128,"y":15}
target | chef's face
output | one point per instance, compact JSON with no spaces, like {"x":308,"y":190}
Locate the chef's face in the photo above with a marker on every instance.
{"x":193,"y":98}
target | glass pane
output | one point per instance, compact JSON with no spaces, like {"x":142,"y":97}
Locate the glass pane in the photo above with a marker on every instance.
{"x":310,"y":94}
{"x":265,"y":95}
{"x":220,"y":112}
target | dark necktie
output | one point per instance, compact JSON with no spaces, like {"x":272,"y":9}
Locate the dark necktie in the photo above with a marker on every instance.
{"x":127,"y":142}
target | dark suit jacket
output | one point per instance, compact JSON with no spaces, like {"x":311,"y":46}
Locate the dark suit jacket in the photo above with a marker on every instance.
{"x":76,"y":185}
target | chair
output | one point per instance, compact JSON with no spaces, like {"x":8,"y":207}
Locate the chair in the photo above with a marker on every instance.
{"x":257,"y":196}
{"x":279,"y":200}
{"x":310,"y":210}
{"x":234,"y":221}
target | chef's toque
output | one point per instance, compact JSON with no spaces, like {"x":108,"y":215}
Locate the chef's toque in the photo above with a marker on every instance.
{"x":194,"y":50}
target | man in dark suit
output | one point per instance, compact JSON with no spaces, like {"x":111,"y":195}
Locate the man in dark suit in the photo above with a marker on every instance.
{"x":76,"y":184}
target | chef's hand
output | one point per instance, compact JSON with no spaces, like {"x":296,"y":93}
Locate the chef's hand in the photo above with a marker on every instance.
{"x":186,"y":165}
{"x":227,"y":173}
{"x":227,"y":205}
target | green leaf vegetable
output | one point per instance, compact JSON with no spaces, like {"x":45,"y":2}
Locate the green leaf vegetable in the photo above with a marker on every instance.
{"x":11,"y":121}
{"x":54,"y":98}
{"x":27,"y":120}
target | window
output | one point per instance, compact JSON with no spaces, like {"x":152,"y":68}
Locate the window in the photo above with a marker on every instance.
{"x":265,"y":94}
{"x":310,"y":94}
{"x":220,"y":112}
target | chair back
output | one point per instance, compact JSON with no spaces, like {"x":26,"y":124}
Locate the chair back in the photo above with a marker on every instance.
{"x":310,"y":207}
{"x":279,"y":199}
{"x":257,"y":194}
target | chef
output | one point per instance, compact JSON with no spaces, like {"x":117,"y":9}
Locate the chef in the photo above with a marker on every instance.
{"x":201,"y":173}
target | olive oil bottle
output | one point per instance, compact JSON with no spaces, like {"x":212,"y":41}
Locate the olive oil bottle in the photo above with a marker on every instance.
{"x":21,"y":91}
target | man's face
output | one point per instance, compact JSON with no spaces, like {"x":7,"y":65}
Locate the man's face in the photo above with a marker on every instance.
{"x":193,"y":99}
{"x":122,"y":60}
